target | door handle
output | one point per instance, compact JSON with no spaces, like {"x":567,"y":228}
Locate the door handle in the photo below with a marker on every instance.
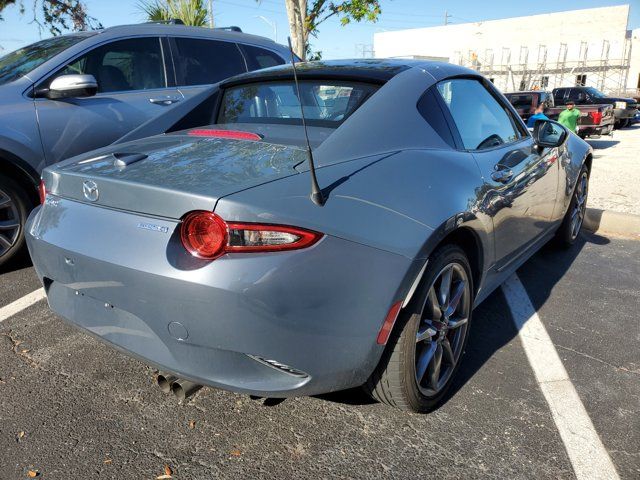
{"x":502,"y":176}
{"x":166,"y":100}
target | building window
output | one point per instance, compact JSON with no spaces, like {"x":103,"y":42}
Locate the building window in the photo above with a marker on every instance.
{"x":581,"y":80}
{"x":544,"y":82}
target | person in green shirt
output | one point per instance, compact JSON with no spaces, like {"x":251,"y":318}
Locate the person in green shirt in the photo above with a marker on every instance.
{"x":569,"y":117}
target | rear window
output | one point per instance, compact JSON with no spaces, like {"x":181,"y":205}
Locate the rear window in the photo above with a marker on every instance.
{"x":520,"y":101}
{"x":203,"y":62}
{"x":326,"y":104}
{"x":258,"y":58}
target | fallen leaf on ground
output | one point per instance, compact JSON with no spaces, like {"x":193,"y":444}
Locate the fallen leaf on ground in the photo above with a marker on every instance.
{"x":108,"y":460}
{"x":235,"y":453}
{"x":167,"y":470}
{"x":25,"y":350}
{"x":192,"y":424}
{"x":21,"y":434}
{"x":163,"y":477}
{"x":32,"y":473}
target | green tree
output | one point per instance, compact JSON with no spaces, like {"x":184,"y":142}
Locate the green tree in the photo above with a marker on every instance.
{"x":191,"y":12}
{"x":306,"y":15}
{"x":55,"y":15}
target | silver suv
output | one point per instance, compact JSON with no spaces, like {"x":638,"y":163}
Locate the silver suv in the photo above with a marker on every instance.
{"x":66,"y":95}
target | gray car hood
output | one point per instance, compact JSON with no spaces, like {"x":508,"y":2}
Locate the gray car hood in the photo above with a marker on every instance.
{"x":174,"y":173}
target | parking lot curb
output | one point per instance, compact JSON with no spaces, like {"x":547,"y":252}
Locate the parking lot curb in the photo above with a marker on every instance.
{"x":617,"y":223}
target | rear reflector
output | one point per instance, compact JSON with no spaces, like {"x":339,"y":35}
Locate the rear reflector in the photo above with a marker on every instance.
{"x":387,"y":326}
{"x":42,"y":191}
{"x":233,"y":134}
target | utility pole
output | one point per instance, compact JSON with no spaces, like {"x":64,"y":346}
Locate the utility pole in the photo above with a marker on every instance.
{"x":446,"y":17}
{"x":211,"y":13}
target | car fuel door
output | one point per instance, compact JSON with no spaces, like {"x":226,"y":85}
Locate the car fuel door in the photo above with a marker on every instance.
{"x":519,"y":194}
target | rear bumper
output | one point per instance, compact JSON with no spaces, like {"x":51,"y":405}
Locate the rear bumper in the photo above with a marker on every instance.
{"x":624,"y":113}
{"x":317,"y":310}
{"x":595,"y":130}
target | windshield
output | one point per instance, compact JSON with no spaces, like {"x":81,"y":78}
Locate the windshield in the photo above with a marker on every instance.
{"x":326,"y":104}
{"x":595,"y":92}
{"x":20,"y":62}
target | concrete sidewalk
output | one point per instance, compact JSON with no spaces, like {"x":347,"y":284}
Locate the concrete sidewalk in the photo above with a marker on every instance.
{"x":615,"y":178}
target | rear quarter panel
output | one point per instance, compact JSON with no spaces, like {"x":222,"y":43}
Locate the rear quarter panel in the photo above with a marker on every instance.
{"x":402,"y":203}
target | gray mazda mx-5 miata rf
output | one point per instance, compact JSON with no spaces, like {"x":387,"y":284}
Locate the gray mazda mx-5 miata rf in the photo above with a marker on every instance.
{"x":208,"y":250}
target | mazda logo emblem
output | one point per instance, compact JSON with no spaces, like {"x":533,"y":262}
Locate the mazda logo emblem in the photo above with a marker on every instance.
{"x":90,"y":190}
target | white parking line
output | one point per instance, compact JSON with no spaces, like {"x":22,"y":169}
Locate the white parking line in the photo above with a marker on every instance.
{"x":21,"y":304}
{"x":587,"y":454}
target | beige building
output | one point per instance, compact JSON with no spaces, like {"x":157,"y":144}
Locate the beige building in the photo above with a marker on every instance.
{"x":590,"y":47}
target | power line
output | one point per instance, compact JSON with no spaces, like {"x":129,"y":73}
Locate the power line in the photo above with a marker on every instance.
{"x":255,"y":7}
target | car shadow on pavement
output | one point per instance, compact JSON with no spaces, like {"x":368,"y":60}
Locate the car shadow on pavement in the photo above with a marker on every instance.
{"x":492,"y":326}
{"x":602,"y":144}
{"x":19,"y":262}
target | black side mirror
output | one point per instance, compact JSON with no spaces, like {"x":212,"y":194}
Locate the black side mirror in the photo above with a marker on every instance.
{"x":547,"y":133}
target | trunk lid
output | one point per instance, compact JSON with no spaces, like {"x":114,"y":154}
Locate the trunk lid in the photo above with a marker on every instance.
{"x":170,"y":175}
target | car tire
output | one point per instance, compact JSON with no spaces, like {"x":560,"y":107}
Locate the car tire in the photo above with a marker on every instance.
{"x":14,"y":210}
{"x":425,"y":347}
{"x":572,"y":222}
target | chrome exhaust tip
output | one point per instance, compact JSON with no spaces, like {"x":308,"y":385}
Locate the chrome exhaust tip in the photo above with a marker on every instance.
{"x":165,"y":380}
{"x":183,"y":389}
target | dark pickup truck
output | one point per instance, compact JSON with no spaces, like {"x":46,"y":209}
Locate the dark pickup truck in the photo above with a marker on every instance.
{"x":624,"y":109}
{"x":595,"y":120}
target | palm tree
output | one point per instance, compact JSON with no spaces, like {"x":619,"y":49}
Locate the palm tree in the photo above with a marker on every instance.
{"x":191,"y":12}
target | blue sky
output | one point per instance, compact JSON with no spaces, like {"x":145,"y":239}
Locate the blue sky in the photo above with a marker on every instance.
{"x":333,"y":40}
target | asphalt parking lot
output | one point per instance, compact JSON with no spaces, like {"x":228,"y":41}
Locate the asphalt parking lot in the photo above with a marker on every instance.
{"x":71,"y":407}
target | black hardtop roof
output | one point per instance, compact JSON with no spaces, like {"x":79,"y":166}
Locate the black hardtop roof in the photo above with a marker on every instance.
{"x":378,"y":71}
{"x":365,"y":70}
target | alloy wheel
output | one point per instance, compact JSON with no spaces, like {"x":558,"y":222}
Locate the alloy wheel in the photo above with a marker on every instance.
{"x":9,"y":223}
{"x":442,"y":329}
{"x":579,"y":204}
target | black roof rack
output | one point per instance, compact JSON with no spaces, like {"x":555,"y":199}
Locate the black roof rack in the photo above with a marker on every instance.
{"x":233,"y":28}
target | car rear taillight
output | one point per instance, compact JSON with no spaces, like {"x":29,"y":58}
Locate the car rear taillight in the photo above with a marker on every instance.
{"x":206,"y":235}
{"x":596,"y":117}
{"x":42,"y":191}
{"x":249,"y":237}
